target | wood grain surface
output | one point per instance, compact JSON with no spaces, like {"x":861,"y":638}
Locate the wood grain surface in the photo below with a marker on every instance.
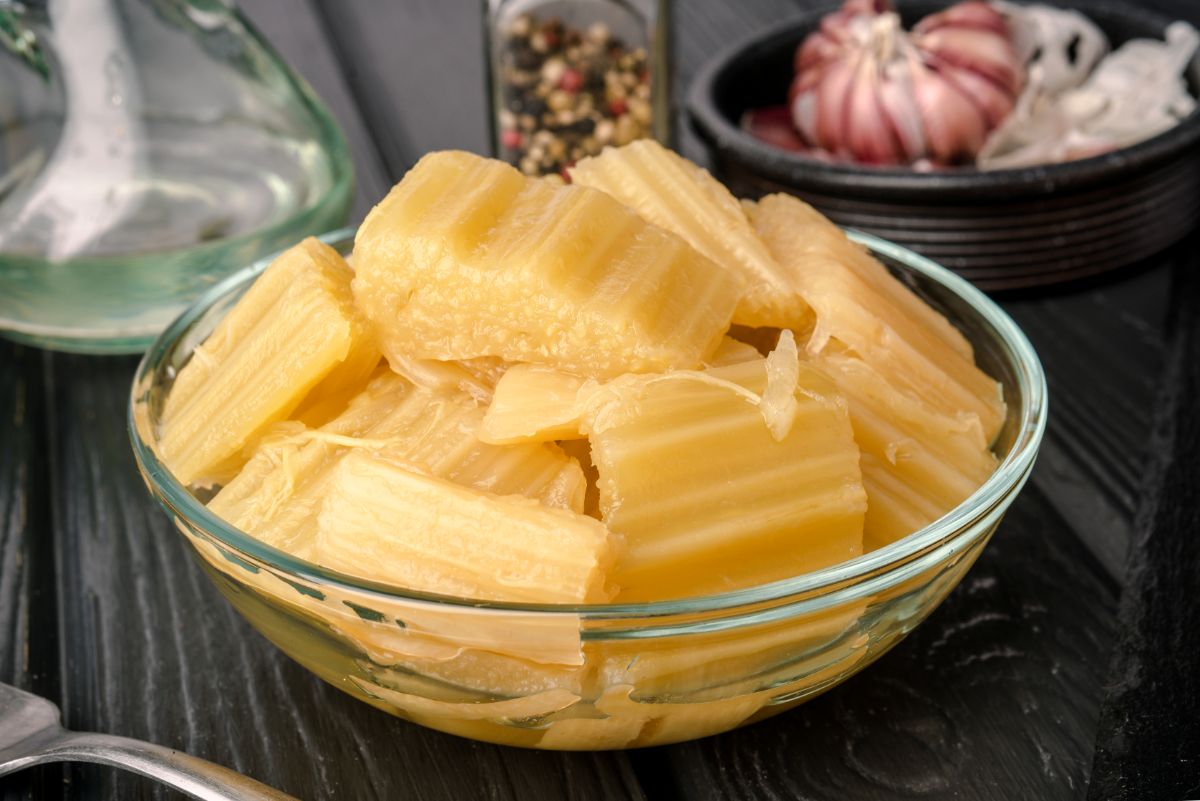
{"x":1149,"y":742}
{"x":998,"y":695}
{"x":1102,"y":349}
{"x":27,"y":613}
{"x":416,"y":72}
{"x":17,"y":382}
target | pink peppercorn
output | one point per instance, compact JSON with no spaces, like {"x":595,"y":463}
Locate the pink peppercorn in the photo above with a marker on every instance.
{"x":571,"y":80}
{"x":511,"y":139}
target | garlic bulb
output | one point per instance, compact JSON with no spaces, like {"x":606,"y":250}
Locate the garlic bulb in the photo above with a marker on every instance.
{"x":865,"y":90}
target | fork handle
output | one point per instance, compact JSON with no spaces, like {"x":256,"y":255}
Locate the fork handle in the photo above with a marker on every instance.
{"x":196,"y":777}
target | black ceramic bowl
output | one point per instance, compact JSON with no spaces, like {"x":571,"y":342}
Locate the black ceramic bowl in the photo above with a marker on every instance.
{"x":1002,"y":228}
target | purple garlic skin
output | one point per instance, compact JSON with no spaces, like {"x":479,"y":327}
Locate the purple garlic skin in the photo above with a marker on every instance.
{"x":867,"y":91}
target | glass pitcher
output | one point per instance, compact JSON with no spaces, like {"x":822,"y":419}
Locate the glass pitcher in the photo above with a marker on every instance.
{"x":147,"y":149}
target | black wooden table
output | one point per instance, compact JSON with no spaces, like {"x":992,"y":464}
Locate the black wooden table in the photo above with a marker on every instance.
{"x":1064,"y":666}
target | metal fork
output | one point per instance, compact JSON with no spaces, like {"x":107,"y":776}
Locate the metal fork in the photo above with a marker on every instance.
{"x":31,"y":733}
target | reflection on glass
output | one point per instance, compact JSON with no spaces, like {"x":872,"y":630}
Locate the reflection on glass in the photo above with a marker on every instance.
{"x":147,"y":147}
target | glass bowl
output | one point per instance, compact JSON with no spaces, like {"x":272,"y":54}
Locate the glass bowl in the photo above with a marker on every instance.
{"x":603,"y":676}
{"x":148,"y":149}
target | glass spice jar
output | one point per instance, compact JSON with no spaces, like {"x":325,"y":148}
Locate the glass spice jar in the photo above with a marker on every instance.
{"x":569,"y":77}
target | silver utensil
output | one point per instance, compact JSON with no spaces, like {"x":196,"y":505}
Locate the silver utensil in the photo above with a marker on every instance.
{"x":31,"y":734}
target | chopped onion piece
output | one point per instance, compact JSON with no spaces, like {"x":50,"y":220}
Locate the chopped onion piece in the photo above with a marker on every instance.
{"x":1132,"y":94}
{"x":1044,"y":38}
{"x":779,"y":405}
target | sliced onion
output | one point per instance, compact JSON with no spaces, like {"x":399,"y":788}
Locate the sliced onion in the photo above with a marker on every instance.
{"x":1046,"y":38}
{"x":1134,"y":93}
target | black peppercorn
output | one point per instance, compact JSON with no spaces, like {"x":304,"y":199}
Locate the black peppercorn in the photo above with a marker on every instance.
{"x":526,"y":59}
{"x":584,"y":126}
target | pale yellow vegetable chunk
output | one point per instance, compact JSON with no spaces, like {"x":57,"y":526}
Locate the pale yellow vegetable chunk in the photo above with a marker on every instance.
{"x":672,"y":192}
{"x":705,"y":495}
{"x":533,"y":403}
{"x":859,"y":305}
{"x":475,"y":377}
{"x":732,"y":351}
{"x":277,"y":494}
{"x":385,"y":522}
{"x":440,"y":432}
{"x":917,"y":463}
{"x":466,"y":257}
{"x":295,"y":326}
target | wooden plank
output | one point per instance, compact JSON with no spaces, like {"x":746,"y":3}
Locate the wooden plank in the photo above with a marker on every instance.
{"x":16,"y":502}
{"x":28,"y":635}
{"x":1102,"y":348}
{"x":416,"y":71}
{"x":297,"y":33}
{"x":152,"y":651}
{"x":1149,"y":743}
{"x":996,"y":696}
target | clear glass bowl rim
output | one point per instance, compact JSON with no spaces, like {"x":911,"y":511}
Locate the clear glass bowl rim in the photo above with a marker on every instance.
{"x":848,"y":581}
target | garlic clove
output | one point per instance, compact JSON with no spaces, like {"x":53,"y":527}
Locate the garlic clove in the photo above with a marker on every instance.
{"x":990,"y":99}
{"x":978,"y":50}
{"x":868,"y":132}
{"x":867,"y":7}
{"x":836,"y":31}
{"x":898,"y":98}
{"x":954,"y":128}
{"x":803,"y":82}
{"x":831,"y":94}
{"x":773,"y":125}
{"x":969,"y":14}
{"x":804,"y":114}
{"x":816,"y":50}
